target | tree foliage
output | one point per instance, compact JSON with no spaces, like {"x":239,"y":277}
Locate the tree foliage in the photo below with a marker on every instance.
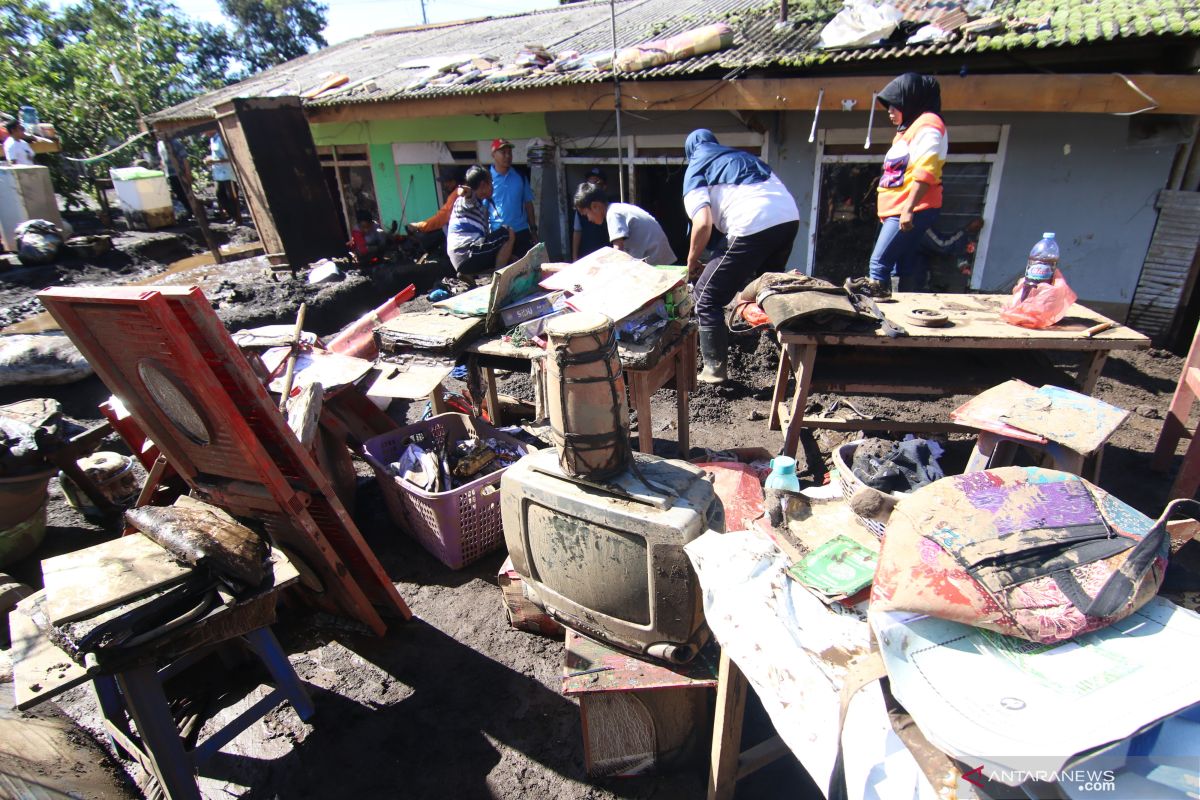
{"x":62,"y":63}
{"x":270,"y":32}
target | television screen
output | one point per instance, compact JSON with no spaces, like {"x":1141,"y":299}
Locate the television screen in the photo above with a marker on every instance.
{"x":599,"y":568}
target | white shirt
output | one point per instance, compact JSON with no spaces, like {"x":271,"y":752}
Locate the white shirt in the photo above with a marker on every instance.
{"x":18,"y":151}
{"x":743,"y":209}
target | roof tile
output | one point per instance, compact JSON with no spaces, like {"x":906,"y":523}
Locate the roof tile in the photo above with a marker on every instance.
{"x":380,"y":66}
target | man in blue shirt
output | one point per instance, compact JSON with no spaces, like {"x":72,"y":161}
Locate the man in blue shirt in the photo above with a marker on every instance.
{"x":512,"y":199}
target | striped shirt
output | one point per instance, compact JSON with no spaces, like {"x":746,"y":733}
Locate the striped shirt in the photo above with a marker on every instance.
{"x":468,"y":223}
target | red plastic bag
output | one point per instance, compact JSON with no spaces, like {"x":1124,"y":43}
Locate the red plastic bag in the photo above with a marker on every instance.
{"x":1046,"y":304}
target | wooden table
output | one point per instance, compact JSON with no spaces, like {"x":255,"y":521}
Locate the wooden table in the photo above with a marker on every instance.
{"x":677,"y":364}
{"x":902,"y":362}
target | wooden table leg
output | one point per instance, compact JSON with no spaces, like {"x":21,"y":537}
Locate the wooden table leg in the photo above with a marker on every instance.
{"x":639,"y":390}
{"x":727,"y":730}
{"x":1093,"y":365}
{"x":493,"y":397}
{"x":1188,"y":479}
{"x":1175,"y":425}
{"x":782,"y":375}
{"x":160,"y":738}
{"x":684,"y":369}
{"x":803,"y":357}
{"x":981,"y":454}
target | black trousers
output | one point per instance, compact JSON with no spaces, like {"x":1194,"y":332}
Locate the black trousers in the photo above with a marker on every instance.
{"x":177,"y":190}
{"x":227,"y":200}
{"x":522,"y":243}
{"x":738,"y":261}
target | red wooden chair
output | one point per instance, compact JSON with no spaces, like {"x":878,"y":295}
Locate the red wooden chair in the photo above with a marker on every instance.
{"x":1175,"y":428}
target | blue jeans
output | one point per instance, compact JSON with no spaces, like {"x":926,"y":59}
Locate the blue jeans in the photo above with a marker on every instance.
{"x":899,"y":251}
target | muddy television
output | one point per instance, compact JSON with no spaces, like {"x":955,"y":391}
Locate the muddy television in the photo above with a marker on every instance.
{"x":610,"y":562}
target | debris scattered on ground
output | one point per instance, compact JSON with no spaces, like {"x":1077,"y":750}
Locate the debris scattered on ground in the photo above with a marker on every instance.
{"x":41,"y":359}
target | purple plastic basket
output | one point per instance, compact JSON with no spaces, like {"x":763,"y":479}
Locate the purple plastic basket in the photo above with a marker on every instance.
{"x":457,"y":526}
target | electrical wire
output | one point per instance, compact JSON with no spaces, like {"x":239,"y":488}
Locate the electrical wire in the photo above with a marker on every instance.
{"x":108,"y":153}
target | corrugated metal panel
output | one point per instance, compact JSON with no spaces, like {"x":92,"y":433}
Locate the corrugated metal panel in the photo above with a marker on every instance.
{"x":1168,"y":266}
{"x":376,"y":64}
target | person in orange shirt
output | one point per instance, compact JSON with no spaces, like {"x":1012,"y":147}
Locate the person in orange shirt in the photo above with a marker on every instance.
{"x":910,"y":188}
{"x":453,"y":190}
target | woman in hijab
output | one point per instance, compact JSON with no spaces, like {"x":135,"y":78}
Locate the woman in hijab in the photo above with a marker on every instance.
{"x":732,"y":192}
{"x":910,"y":188}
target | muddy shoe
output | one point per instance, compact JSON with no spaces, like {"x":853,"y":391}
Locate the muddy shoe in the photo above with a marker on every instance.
{"x":880,"y":290}
{"x":714,"y":349}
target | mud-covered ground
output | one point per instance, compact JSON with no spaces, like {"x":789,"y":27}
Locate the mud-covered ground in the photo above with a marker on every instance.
{"x":456,"y":704}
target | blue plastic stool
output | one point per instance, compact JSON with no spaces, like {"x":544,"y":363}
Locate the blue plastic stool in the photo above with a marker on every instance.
{"x":137,"y":694}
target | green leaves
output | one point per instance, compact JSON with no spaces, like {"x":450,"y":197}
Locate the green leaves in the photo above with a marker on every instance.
{"x":270,"y":32}
{"x":61,"y":63}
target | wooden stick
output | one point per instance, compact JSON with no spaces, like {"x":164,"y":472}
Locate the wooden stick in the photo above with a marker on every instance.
{"x":1103,"y":326}
{"x":290,"y":374}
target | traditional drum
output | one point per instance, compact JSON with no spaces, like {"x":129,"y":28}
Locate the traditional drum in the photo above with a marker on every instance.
{"x":586,"y":396}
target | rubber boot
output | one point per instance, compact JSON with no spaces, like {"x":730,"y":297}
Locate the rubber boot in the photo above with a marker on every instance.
{"x":714,"y":349}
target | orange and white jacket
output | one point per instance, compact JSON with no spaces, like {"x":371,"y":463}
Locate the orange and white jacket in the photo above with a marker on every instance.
{"x":917,"y":154}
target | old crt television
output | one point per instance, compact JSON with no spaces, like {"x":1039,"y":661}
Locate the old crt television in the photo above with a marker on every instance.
{"x":606,"y":563}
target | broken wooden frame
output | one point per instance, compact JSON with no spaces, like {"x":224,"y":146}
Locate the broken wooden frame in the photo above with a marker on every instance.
{"x":165,"y":353}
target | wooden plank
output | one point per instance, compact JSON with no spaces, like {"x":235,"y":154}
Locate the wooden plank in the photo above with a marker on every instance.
{"x":410,"y":382}
{"x":40,"y":669}
{"x":81,"y":583}
{"x":1079,"y":94}
{"x":727,"y":730}
{"x":895,"y":425}
{"x":760,"y":755}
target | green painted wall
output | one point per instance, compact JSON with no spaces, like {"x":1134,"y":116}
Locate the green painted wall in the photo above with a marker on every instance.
{"x":430,"y":129}
{"x":408,"y":193}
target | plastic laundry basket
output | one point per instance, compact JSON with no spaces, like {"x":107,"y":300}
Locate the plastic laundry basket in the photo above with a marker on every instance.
{"x":457,"y":526}
{"x":843,"y":457}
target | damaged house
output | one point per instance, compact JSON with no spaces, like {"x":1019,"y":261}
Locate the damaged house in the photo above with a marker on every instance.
{"x":1044,"y":102}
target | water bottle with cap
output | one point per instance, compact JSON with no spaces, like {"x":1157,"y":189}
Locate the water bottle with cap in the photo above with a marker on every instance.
{"x":29,"y":118}
{"x":780,"y":489}
{"x":1042,"y":262}
{"x":783,"y":474}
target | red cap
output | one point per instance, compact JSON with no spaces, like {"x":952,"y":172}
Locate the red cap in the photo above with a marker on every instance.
{"x":498,"y":144}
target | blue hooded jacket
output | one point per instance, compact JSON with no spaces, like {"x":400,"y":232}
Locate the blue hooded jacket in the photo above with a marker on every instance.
{"x":711,"y":164}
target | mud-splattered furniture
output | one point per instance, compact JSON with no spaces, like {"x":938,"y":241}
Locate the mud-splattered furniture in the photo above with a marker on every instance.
{"x":976,"y":349}
{"x":639,"y":717}
{"x":129,"y":684}
{"x":1065,"y":428}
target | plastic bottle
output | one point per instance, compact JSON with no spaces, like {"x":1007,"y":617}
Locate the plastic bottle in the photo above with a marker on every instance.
{"x":780,"y":490}
{"x":783,"y":474}
{"x":1042,"y":262}
{"x":29,"y":118}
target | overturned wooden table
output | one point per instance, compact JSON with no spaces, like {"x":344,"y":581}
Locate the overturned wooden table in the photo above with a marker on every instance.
{"x":975,"y":350}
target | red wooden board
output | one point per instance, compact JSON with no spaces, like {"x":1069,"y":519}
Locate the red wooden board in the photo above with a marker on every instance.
{"x":164,"y":352}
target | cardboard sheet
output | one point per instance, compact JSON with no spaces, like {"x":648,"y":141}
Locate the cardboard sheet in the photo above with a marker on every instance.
{"x":429,"y":331}
{"x":331,"y":370}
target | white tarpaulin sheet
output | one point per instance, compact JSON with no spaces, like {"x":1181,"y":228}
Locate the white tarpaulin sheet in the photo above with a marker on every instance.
{"x":794,"y":651}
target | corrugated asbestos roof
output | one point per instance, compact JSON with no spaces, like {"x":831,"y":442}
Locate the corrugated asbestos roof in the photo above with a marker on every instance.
{"x":382,"y":66}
